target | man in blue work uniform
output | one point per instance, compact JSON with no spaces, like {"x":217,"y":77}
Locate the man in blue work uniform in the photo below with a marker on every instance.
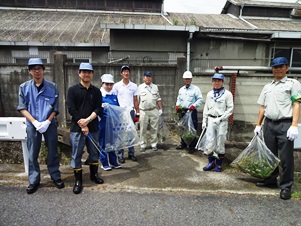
{"x":189,"y":98}
{"x":38,"y":103}
{"x":280,"y":105}
{"x":84,"y":105}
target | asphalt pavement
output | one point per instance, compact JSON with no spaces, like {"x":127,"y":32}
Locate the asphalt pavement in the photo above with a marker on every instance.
{"x":164,"y":187}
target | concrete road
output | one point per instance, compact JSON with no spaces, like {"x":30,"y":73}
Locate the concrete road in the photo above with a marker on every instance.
{"x":167,"y":187}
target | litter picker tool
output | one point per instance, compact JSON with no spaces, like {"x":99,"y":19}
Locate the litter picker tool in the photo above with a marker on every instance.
{"x":200,"y":138}
{"x":96,"y":145}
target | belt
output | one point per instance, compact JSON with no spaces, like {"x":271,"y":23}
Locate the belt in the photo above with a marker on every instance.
{"x":279,"y":120}
{"x":148,"y":109}
{"x":213,"y":116}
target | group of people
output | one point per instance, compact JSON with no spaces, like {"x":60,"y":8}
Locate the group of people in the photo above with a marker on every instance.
{"x":38,"y":102}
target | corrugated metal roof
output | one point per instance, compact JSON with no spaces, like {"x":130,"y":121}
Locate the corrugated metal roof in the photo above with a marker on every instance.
{"x":83,"y":27}
{"x":276,"y":25}
{"x":265,"y":3}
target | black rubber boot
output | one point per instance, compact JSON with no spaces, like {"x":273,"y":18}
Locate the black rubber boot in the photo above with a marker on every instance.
{"x":94,"y":174}
{"x":78,"y":186}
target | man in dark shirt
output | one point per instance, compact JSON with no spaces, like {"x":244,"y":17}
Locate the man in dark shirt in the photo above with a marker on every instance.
{"x":84,"y":105}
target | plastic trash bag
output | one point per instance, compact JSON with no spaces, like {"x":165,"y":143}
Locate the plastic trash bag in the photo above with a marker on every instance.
{"x":186,"y":129}
{"x":256,"y":159}
{"x":163,"y":131}
{"x":120,"y":129}
{"x":201,"y":144}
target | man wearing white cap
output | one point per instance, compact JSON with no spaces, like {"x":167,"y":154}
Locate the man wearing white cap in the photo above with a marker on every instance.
{"x":189,"y":98}
{"x":84,"y":105}
{"x":38,"y":103}
{"x":218,"y":108}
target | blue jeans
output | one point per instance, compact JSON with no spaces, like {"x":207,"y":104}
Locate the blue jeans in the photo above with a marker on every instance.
{"x":34,"y":140}
{"x":78,"y":141}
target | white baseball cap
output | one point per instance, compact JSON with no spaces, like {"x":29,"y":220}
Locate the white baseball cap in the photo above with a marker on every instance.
{"x":107,"y":78}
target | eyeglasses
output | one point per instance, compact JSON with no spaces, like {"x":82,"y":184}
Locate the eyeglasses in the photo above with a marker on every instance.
{"x":37,"y":69}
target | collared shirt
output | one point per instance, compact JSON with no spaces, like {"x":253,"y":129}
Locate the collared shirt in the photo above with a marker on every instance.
{"x":276,"y":98}
{"x":40,"y":104}
{"x":223,"y":106}
{"x":189,"y":96}
{"x":81,"y":103}
{"x":125,"y":93}
{"x":148,"y":96}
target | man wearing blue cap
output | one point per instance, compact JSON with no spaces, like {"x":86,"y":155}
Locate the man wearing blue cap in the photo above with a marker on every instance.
{"x":280,"y":106}
{"x":84,"y":105}
{"x":150,"y":107}
{"x":217,"y":110}
{"x":38,"y":103}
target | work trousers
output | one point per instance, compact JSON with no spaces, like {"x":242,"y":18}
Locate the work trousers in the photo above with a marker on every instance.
{"x":275,"y":137}
{"x":34,"y":140}
{"x":78,"y":141}
{"x":150,"y":118}
{"x":216,"y":136}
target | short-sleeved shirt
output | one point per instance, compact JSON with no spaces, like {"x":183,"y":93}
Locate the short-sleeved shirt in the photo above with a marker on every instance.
{"x":148,"y":96}
{"x":189,"y":96}
{"x":125,"y":93}
{"x":40,"y":104}
{"x":276,"y":97}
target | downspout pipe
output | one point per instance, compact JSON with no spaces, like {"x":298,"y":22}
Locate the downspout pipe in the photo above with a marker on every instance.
{"x":188,"y":50}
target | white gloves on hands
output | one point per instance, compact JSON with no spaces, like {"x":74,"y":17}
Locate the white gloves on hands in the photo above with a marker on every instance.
{"x":292,"y":133}
{"x":37,"y":124}
{"x":44,"y":126}
{"x":216,"y":121}
{"x":257,"y":130}
{"x":204,"y":125}
{"x":160,"y":112}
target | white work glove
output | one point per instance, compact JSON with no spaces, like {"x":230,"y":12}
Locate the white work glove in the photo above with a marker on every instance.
{"x":105,"y":105}
{"x":204,"y":125}
{"x":44,"y":126}
{"x":257,"y":130}
{"x":37,"y":124}
{"x":216,"y":120}
{"x":160,"y":112}
{"x":292,"y":133}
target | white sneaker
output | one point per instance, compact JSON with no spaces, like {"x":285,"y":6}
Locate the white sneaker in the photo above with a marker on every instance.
{"x":106,"y":168}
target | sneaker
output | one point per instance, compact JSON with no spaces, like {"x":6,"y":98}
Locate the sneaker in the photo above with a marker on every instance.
{"x":106,"y":168}
{"x":121,"y":160}
{"x":154,"y":148}
{"x":117,"y":166}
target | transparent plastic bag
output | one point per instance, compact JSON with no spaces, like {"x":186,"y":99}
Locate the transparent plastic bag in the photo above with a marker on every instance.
{"x":163,"y":131}
{"x":186,"y":129}
{"x":120,"y":129}
{"x":201,"y":145}
{"x":256,"y":159}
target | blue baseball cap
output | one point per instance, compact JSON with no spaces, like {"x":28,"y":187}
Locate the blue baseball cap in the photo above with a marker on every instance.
{"x":218,"y":76}
{"x":125,"y":67}
{"x":35,"y":61}
{"x":279,"y":61}
{"x":85,"y":67}
{"x":148,"y":73}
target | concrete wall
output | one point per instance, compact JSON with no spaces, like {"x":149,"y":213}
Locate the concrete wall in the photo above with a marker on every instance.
{"x":167,"y":77}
